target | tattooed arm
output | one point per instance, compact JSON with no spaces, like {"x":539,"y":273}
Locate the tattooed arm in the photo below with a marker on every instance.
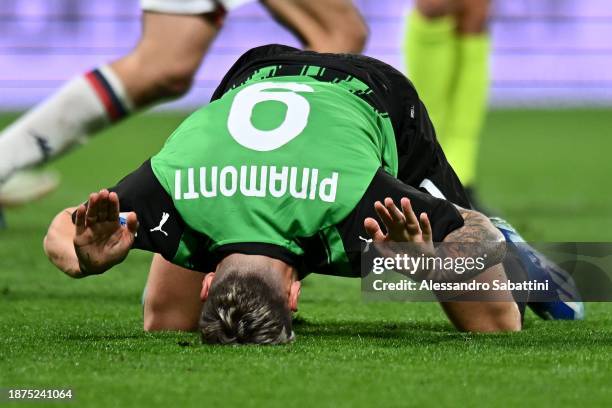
{"x":477,"y":238}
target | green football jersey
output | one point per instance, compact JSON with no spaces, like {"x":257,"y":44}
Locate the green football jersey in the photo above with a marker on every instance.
{"x":275,"y":160}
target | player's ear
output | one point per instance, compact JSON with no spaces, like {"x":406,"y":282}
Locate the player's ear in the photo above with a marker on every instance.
{"x":206,"y":284}
{"x":294,"y":294}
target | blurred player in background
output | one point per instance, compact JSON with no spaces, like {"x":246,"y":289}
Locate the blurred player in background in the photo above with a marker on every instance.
{"x":447,"y":52}
{"x":175,"y":37}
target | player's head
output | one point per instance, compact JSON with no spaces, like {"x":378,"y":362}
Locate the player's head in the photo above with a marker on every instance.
{"x":249,"y":299}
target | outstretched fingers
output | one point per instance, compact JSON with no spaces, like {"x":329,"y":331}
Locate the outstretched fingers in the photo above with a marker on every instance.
{"x":103,"y":206}
{"x":391,"y":216}
{"x":401,"y":224}
{"x":91,"y":217}
{"x":373,"y":229}
{"x":412,"y":222}
{"x":383,"y":214}
{"x":79,"y":221}
{"x":131,"y":222}
{"x":398,"y":218}
{"x":113,"y":207}
{"x":426,"y":227}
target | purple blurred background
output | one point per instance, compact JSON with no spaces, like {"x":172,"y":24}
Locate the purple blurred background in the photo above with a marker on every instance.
{"x":546,"y":52}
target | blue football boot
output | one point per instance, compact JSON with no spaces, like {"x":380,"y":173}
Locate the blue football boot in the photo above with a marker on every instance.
{"x":562,"y":300}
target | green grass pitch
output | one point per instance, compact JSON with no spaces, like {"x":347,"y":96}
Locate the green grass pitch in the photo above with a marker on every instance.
{"x":549,"y":172}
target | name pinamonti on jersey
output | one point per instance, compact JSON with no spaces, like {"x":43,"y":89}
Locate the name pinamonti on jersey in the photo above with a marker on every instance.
{"x":255,"y":181}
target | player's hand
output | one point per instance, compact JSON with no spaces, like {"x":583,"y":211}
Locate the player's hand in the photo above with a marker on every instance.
{"x":100,"y":241}
{"x":401,"y":225}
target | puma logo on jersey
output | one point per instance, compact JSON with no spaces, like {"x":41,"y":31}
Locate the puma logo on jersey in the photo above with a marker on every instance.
{"x":368,"y":241}
{"x":164,"y":219}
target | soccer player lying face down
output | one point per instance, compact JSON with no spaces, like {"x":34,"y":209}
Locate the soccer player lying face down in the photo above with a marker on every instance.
{"x":249,"y":299}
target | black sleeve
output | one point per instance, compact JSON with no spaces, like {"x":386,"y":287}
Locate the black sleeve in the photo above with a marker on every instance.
{"x":443,"y":215}
{"x":161,"y":227}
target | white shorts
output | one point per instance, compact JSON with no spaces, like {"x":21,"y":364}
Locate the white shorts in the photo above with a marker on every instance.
{"x":190,"y":6}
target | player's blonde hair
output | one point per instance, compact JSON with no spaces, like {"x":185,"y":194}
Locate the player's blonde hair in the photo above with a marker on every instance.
{"x":243,"y":308}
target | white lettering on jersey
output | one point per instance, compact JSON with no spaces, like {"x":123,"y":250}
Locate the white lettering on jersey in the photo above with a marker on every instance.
{"x":255,"y":181}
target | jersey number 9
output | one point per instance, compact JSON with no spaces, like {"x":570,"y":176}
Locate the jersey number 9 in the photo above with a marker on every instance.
{"x":239,"y":121}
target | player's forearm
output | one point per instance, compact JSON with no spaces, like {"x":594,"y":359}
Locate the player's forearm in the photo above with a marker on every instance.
{"x":59,"y":247}
{"x":477,"y":238}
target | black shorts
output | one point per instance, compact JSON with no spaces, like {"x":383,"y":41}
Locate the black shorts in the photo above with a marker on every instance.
{"x":422,"y":163}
